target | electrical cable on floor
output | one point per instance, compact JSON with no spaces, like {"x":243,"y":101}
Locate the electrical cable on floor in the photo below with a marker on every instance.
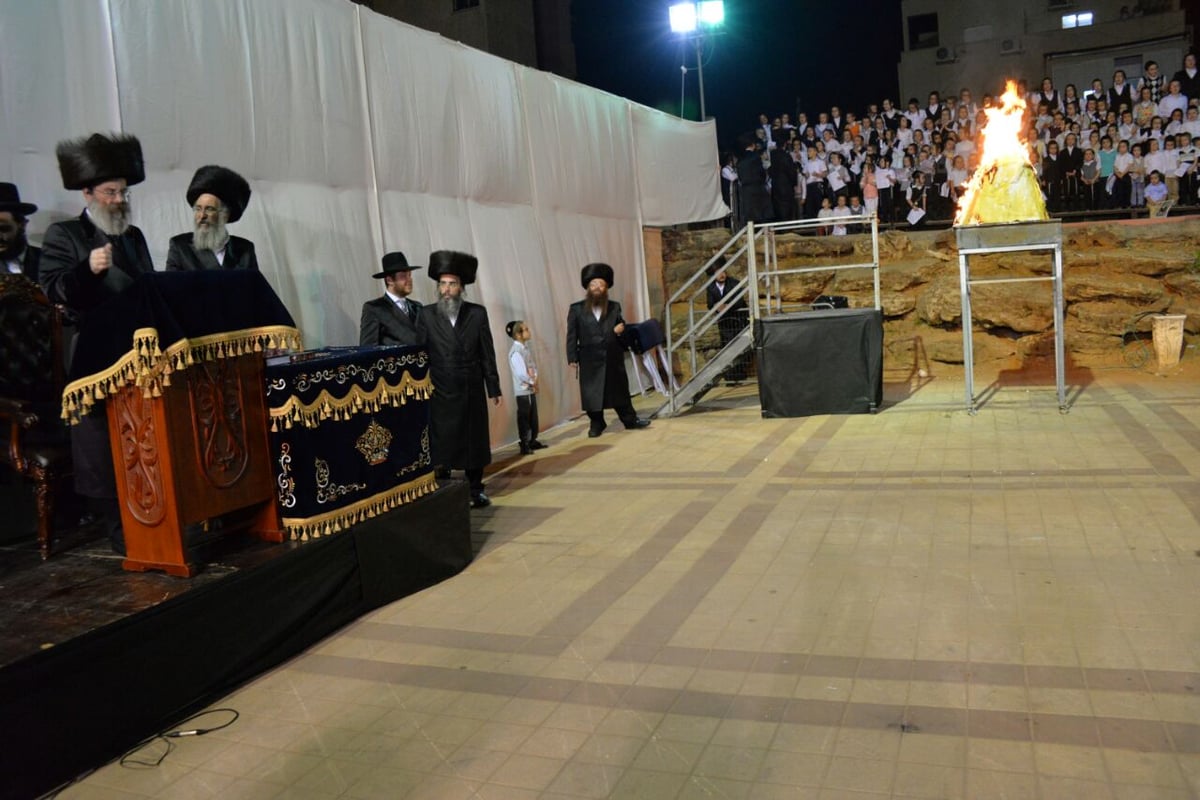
{"x":129,"y":760}
{"x":1133,"y":346}
{"x":178,"y":732}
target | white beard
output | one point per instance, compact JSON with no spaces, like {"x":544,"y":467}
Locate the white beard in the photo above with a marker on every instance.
{"x":210,"y":237}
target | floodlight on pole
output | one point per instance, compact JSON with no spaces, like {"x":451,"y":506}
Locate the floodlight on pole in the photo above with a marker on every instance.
{"x":694,"y":20}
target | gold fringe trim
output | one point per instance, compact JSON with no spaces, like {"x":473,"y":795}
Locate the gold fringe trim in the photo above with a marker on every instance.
{"x":149,"y":367}
{"x":304,"y":528}
{"x":325,"y":406}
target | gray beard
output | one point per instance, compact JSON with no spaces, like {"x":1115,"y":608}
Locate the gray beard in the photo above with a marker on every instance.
{"x":210,"y":237}
{"x":112,"y":223}
{"x":450,"y":306}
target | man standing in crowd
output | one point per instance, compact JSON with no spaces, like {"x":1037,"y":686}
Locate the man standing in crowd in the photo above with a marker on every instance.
{"x":218,"y":197}
{"x":391,"y":319}
{"x":754,"y":202}
{"x":593,"y":325}
{"x":17,"y":256}
{"x":462,"y":364}
{"x":86,"y":262}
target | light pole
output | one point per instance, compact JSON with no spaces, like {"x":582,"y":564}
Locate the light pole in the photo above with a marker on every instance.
{"x":694,"y":20}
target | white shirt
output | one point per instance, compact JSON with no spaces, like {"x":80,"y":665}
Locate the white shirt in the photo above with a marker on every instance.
{"x":524,"y":370}
{"x":1169,"y":103}
{"x":401,"y":302}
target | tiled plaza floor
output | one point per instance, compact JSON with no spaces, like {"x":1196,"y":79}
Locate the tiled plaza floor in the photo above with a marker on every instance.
{"x":914,"y":604}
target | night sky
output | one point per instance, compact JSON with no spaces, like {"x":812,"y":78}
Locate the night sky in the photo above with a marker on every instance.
{"x":774,"y":56}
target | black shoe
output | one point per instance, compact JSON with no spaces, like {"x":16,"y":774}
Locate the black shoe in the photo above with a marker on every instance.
{"x":536,"y":445}
{"x":526,"y":449}
{"x":637,"y":424}
{"x":480,"y":500}
{"x":595,"y":430}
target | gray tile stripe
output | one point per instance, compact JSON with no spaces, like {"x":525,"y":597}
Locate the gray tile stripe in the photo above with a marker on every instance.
{"x":1140,"y":437}
{"x":799,"y":463}
{"x":1111,"y":732}
{"x":1180,"y":425}
{"x":999,"y":674}
{"x":589,"y":605}
{"x":663,"y":620}
{"x":760,"y":452}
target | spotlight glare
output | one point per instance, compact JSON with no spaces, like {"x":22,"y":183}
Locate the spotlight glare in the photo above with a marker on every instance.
{"x":683,"y":17}
{"x":712,"y":12}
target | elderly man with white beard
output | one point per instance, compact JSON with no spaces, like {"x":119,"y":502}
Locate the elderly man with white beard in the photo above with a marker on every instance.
{"x":85,"y":262}
{"x":218,"y":197}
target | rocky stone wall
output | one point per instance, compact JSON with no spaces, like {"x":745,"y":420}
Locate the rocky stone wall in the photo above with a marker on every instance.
{"x":1116,"y":274}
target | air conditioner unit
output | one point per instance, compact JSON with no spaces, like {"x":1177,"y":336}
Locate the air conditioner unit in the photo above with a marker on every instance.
{"x":1010,"y":47}
{"x":945,"y":55}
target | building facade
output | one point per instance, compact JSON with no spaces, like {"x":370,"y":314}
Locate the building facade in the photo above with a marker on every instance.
{"x":977,"y":44}
{"x":536,"y":33}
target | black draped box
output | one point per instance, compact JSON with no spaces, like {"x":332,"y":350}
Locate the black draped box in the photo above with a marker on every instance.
{"x":349,"y":434}
{"x":168,"y":321}
{"x":820,"y":362}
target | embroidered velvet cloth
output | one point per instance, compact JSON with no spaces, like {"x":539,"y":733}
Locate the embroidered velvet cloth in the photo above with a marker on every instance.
{"x":349,"y":434}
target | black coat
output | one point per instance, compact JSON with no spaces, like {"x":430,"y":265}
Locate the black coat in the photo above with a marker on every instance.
{"x":29,"y":260}
{"x":384,"y":323}
{"x":182,"y":254}
{"x":462,"y":364}
{"x":66,"y":275}
{"x":594,"y":346}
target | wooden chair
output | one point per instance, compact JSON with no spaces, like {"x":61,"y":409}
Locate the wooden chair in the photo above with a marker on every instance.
{"x":35,"y":440}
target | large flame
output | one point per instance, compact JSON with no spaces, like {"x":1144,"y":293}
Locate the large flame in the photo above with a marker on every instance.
{"x":1004,"y":187}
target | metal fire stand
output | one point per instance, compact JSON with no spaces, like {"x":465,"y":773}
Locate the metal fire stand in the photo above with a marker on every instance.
{"x":1010,"y":237}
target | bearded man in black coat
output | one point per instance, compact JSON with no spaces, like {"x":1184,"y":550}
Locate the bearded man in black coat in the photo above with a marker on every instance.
{"x":218,"y":197}
{"x":593,"y":348}
{"x":17,"y":255}
{"x":86,"y":262}
{"x":462,"y":365}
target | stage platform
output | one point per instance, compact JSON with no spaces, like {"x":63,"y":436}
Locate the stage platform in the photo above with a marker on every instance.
{"x":94,"y":659}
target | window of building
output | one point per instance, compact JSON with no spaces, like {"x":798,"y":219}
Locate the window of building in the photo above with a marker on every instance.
{"x":463,"y":5}
{"x":1080,"y":20}
{"x":922,"y":31}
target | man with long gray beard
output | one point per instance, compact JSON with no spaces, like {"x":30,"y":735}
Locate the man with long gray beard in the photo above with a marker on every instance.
{"x":85,"y":262}
{"x":462,"y":365}
{"x":594,"y":349}
{"x":218,"y":197}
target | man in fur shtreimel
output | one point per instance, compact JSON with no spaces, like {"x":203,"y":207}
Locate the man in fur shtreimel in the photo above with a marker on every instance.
{"x":218,"y":197}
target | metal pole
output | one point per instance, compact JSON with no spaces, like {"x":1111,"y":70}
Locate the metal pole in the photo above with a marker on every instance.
{"x":700,"y":74}
{"x":964,"y":281}
{"x":1060,"y":371}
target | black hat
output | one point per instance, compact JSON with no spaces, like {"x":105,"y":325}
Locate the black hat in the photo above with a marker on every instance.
{"x":10,"y":201}
{"x":225,"y":184}
{"x":451,"y":262}
{"x":746,"y":140}
{"x":86,"y":162}
{"x":597,"y":270}
{"x":512,"y":326}
{"x":393,"y":263}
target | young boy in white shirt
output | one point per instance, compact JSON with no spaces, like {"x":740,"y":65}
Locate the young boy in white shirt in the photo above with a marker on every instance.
{"x":525,"y":385}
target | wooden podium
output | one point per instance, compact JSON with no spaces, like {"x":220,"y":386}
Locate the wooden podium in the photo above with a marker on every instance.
{"x":177,"y":361}
{"x":196,"y":452}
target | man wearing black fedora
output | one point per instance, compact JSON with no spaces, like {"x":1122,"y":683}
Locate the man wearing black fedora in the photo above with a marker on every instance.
{"x":462,"y":365}
{"x":594,"y":349}
{"x":218,"y":197}
{"x":17,"y":256}
{"x":391,"y":319}
{"x":85,"y":262}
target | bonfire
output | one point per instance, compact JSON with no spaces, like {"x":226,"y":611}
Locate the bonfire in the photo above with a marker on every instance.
{"x":1004,"y":187}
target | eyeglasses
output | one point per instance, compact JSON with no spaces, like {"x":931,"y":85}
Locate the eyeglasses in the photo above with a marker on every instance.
{"x":207,"y":211}
{"x":113,"y":194}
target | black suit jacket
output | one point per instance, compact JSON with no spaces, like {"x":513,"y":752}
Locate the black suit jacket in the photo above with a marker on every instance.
{"x":29,"y":261}
{"x":384,"y":323}
{"x":713,"y":296}
{"x":182,"y":254}
{"x":67,"y":277}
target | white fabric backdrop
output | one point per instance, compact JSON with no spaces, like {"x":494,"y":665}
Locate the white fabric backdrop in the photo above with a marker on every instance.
{"x":359,"y":135}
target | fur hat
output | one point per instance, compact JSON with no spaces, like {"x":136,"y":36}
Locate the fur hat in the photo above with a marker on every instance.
{"x":450,"y":262}
{"x":225,"y":184}
{"x":10,"y":201}
{"x":86,"y":162}
{"x":393,"y":263}
{"x":597,"y":270}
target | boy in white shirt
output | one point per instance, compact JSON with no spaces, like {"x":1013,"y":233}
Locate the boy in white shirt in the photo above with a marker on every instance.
{"x":525,"y":385}
{"x":840,"y":210}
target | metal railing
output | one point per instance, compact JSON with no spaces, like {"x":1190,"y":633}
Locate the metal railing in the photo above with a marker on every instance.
{"x":767,"y":298}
